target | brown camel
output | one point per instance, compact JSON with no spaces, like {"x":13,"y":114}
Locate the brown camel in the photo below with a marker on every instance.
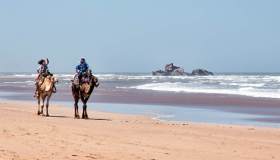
{"x":45,"y":91}
{"x":83,"y":92}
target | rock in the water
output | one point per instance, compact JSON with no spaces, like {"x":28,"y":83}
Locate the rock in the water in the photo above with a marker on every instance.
{"x":170,"y":70}
{"x":201,"y":72}
{"x":159,"y":73}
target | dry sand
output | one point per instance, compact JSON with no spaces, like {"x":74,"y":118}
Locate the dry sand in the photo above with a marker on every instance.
{"x":24,"y":135}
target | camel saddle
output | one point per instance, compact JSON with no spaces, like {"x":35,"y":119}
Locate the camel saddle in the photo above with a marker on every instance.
{"x":84,"y":79}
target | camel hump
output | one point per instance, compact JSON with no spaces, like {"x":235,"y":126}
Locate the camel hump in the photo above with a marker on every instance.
{"x":85,"y":78}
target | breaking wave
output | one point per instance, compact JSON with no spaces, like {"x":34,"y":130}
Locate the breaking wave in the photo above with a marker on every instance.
{"x":243,"y":89}
{"x":254,"y":85}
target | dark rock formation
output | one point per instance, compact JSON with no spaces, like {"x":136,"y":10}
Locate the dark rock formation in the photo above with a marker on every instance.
{"x":201,"y":72}
{"x":172,"y":70}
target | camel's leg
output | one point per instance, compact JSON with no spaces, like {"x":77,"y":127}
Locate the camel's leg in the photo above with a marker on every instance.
{"x":38,"y":112}
{"x":47,"y":106}
{"x":76,"y":108}
{"x":86,"y":115}
{"x":42,"y":105}
{"x":82,"y":99}
{"x":83,"y":115}
{"x":76,"y":96}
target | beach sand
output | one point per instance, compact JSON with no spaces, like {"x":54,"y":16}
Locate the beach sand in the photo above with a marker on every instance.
{"x":108,"y":136}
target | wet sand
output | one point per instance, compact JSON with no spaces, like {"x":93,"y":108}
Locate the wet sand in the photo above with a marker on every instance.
{"x":228,"y":103}
{"x":151,"y":97}
{"x":24,"y":135}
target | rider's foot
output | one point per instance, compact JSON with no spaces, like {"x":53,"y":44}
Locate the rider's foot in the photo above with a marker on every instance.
{"x":54,"y":89}
{"x":35,"y":95}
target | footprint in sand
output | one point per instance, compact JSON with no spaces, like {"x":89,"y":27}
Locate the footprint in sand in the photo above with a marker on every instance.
{"x":7,"y":133}
{"x":90,"y":157}
{"x":5,"y":154}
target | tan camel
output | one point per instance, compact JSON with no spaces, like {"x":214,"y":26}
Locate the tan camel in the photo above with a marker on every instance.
{"x":45,"y":91}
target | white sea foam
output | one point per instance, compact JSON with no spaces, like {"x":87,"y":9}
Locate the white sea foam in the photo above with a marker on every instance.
{"x":64,"y":75}
{"x":218,"y":78}
{"x":181,"y":87}
{"x":24,"y":75}
{"x":20,"y":82}
{"x":244,"y":84}
{"x":247,"y":85}
{"x":162,"y":116}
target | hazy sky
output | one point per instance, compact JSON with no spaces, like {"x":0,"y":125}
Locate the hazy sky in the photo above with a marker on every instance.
{"x":142,"y":35}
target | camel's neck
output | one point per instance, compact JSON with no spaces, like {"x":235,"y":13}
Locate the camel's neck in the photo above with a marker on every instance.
{"x":87,"y":89}
{"x":47,"y":85}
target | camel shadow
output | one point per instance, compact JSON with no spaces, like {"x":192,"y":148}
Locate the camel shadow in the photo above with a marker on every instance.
{"x":98,"y":119}
{"x":57,"y":116}
{"x":68,"y":117}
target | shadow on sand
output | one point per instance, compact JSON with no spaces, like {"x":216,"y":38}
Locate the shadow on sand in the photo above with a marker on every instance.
{"x":93,"y":119}
{"x":99,"y":119}
{"x":57,"y":116}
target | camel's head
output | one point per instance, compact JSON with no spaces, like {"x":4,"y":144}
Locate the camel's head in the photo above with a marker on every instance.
{"x":55,"y":80}
{"x":85,"y":88}
{"x":51,"y":79}
{"x":94,"y":81}
{"x":48,"y":83}
{"x":88,"y":87}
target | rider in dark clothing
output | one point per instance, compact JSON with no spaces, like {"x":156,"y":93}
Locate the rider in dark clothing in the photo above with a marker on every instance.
{"x":82,"y":68}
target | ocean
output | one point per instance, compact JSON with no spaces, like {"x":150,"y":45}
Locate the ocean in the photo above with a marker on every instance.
{"x":252,"y":85}
{"x":250,"y":94}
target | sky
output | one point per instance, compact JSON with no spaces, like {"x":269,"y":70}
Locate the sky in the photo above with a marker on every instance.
{"x":140,"y":36}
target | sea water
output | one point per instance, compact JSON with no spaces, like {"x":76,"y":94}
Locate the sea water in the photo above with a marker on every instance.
{"x":20,"y":86}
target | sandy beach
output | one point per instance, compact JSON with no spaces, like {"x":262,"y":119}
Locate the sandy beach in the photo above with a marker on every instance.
{"x":24,"y":135}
